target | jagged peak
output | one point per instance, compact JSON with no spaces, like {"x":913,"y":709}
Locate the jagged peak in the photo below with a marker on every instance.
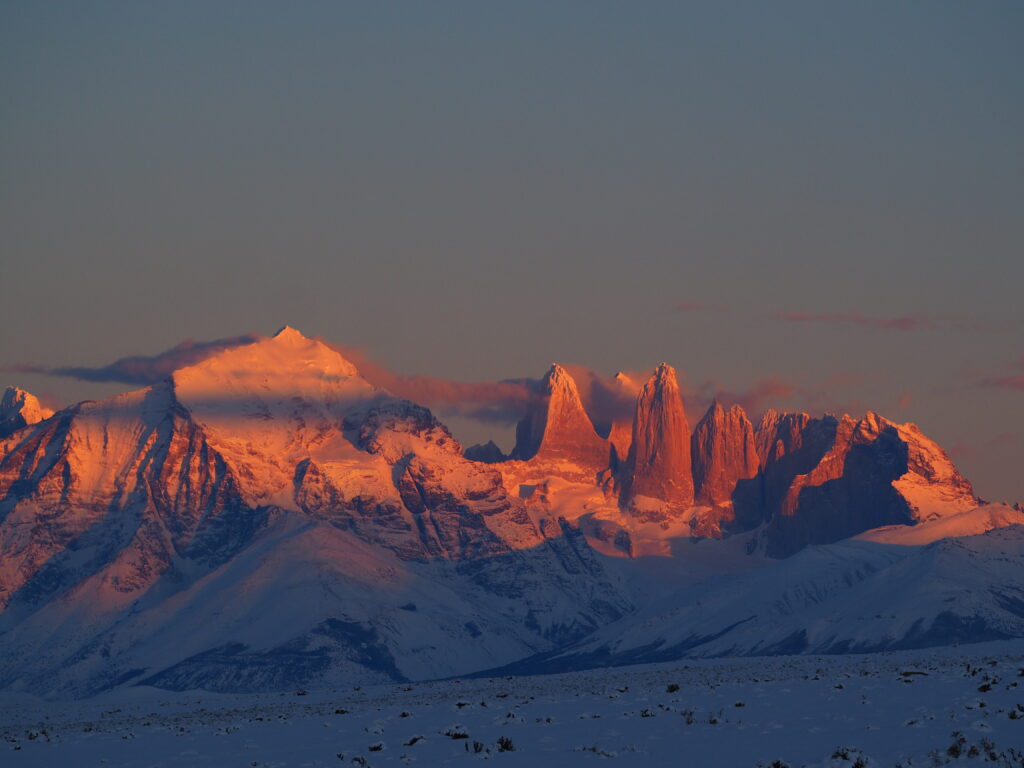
{"x":718,"y":412}
{"x":659,"y":464}
{"x":558,"y":424}
{"x":664,"y":371}
{"x":287,"y":333}
{"x":13,"y":396}
{"x":18,"y":400}
{"x":18,"y":409}
{"x":772,"y":417}
{"x":560,"y":387}
{"x":662,"y":381}
{"x":286,"y":354}
{"x":557,"y":375}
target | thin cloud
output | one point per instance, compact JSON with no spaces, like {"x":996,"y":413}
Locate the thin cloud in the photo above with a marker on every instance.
{"x":605,"y":398}
{"x":698,"y":306}
{"x":490,"y":402}
{"x":1012,"y":377}
{"x":776,"y":392}
{"x":1005,"y":382}
{"x":141,"y":369}
{"x":899,"y":323}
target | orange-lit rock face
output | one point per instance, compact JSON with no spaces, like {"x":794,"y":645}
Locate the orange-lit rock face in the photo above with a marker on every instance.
{"x":558,"y":429}
{"x":723,"y":452}
{"x":826,"y":479}
{"x":658,"y":481}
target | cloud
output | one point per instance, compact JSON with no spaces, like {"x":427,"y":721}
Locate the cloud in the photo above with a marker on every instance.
{"x":754,"y":398}
{"x":141,"y":369}
{"x":1005,"y":382}
{"x":900,"y":323}
{"x":607,"y":399}
{"x":1002,"y":442}
{"x":492,"y":402}
{"x":698,"y":306}
{"x":776,"y":392}
{"x":1011,"y":378}
{"x":961,"y":450}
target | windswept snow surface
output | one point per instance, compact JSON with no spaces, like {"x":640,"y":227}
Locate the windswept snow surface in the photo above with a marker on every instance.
{"x":971,"y":522}
{"x":849,"y":597}
{"x":961,"y":707}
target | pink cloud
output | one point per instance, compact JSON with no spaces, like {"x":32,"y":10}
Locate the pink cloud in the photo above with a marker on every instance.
{"x":781,"y":393}
{"x":140,"y":369}
{"x":1004,"y":440}
{"x":1011,"y":378}
{"x":496,"y":402}
{"x":901,"y":323}
{"x":1005,"y":382}
{"x":698,"y":306}
{"x":962,"y":450}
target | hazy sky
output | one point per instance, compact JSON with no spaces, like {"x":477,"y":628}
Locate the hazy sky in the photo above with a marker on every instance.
{"x":812,"y":205}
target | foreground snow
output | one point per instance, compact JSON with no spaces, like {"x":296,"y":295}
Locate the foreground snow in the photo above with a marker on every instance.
{"x":959,"y":706}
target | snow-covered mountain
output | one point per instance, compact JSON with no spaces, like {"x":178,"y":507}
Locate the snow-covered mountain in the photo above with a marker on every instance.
{"x":268,"y":518}
{"x":265,"y":516}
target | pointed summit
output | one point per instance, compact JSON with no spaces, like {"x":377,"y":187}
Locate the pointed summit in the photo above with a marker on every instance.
{"x":658,"y":469}
{"x":283,"y":361}
{"x":558,"y":427}
{"x":723,"y":452}
{"x":287,"y":333}
{"x":18,"y":409}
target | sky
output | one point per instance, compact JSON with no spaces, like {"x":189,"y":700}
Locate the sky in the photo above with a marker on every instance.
{"x":800,"y":205}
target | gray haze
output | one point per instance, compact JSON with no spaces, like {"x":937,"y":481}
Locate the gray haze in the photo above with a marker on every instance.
{"x":473,"y":190}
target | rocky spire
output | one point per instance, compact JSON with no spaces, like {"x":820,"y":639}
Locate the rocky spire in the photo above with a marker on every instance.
{"x":723,"y":451}
{"x":18,"y":409}
{"x":658,"y":467}
{"x":557,"y":426}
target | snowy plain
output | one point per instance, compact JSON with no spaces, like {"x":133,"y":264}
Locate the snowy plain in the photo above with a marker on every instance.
{"x":945,"y":706}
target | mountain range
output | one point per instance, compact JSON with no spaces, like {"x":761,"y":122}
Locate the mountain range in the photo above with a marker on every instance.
{"x":267,"y":518}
